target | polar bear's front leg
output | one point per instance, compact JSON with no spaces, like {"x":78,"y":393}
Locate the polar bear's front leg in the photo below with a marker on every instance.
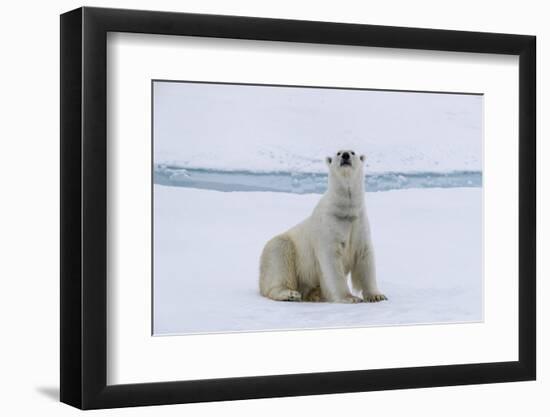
{"x":363,"y":275}
{"x":333,"y":280}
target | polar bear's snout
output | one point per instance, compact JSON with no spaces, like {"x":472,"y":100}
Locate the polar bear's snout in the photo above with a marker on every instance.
{"x":345,"y":159}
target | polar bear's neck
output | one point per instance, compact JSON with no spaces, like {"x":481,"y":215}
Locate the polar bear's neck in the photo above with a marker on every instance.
{"x":346,"y":196}
{"x":350,"y":187}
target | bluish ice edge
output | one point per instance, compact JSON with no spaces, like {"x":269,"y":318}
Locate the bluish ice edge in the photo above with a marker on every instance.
{"x":305,"y":183}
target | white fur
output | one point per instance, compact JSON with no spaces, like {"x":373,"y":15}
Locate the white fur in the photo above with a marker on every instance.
{"x":311,"y":261}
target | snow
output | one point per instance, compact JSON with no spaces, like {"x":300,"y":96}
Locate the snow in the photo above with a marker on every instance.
{"x":207,"y":246}
{"x":281,"y":129}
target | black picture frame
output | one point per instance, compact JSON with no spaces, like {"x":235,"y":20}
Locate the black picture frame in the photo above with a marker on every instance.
{"x":84,"y":207}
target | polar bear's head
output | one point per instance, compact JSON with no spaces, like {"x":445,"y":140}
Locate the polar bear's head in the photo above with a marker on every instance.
{"x":345,"y":164}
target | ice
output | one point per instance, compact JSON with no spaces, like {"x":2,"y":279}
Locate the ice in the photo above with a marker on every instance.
{"x":304,"y":183}
{"x":207,"y":246}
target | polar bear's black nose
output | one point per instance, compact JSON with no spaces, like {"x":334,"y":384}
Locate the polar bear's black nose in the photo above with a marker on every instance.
{"x":345,"y":156}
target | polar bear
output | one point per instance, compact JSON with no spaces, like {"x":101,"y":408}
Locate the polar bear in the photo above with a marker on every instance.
{"x":312,"y":260}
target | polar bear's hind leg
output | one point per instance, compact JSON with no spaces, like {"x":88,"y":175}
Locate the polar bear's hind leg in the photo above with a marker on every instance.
{"x":278,"y":279}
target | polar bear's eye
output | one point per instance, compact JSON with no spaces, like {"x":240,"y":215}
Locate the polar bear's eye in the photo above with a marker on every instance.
{"x":353,"y":153}
{"x":338,"y":154}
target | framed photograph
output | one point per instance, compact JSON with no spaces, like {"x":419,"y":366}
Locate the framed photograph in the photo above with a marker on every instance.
{"x":257,"y":208}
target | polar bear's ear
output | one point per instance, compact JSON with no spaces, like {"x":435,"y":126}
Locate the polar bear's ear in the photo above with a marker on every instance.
{"x":362,"y":158}
{"x":328,"y":160}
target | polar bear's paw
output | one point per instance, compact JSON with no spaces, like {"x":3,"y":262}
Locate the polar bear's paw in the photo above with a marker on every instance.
{"x":292,"y":295}
{"x":350,"y":299}
{"x":374,"y":298}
